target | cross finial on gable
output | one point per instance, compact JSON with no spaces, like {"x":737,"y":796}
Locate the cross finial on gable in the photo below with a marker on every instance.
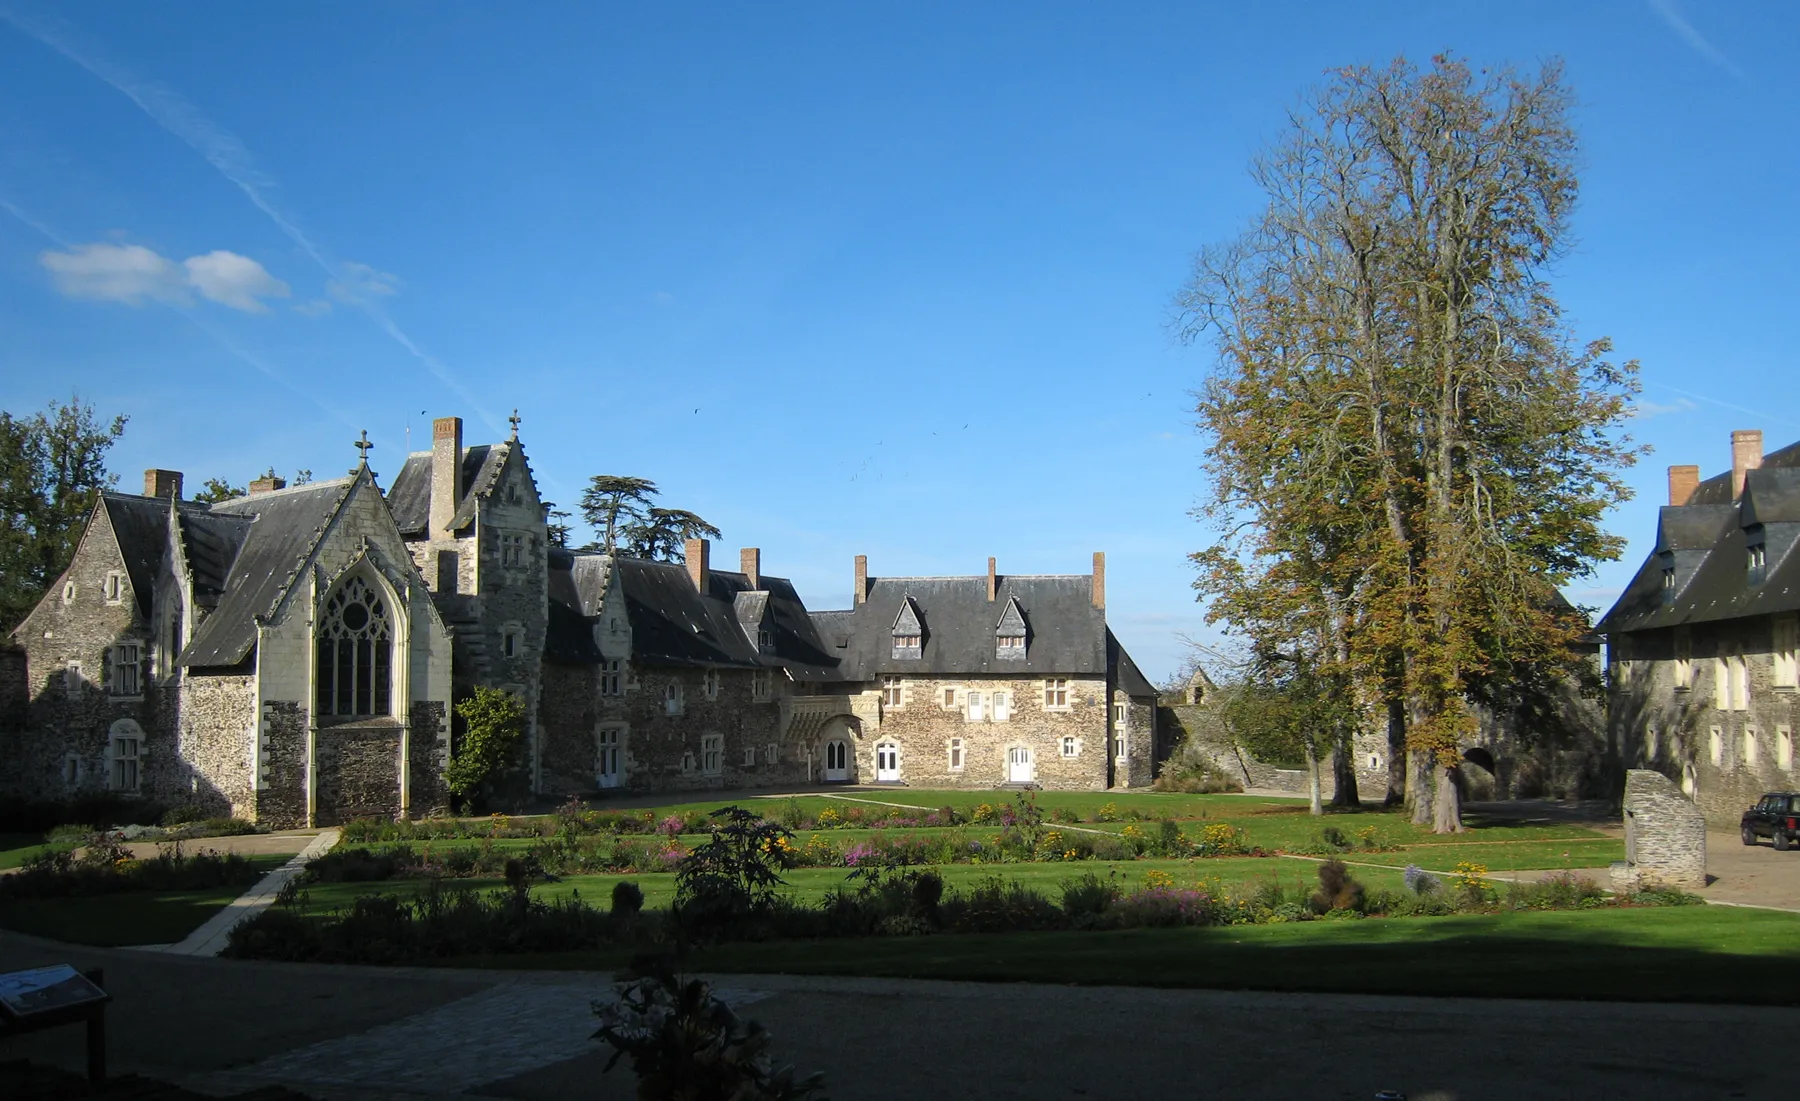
{"x":362,"y":446}
{"x":514,"y":421}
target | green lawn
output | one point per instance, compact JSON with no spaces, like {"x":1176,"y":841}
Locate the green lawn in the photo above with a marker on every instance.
{"x":17,"y":848}
{"x":126,"y":917}
{"x":1689,"y":954}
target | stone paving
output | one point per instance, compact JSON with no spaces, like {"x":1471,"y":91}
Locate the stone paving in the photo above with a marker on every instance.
{"x":210,"y":939}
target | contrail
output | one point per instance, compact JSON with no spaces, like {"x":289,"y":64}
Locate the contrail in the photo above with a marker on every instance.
{"x":227,"y":154}
{"x":1671,"y":15}
{"x":218,"y":337}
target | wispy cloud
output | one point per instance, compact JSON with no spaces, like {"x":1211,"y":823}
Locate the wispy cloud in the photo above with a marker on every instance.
{"x":361,"y":283}
{"x":222,"y":149}
{"x":1672,"y":17}
{"x":1644,"y":410}
{"x":180,"y":306}
{"x":134,"y":274}
{"x":1762,"y":415}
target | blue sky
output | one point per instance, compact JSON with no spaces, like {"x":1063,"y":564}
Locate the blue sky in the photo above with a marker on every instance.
{"x":875,"y":278}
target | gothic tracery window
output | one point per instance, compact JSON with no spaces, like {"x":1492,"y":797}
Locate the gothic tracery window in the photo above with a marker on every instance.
{"x":356,"y":644}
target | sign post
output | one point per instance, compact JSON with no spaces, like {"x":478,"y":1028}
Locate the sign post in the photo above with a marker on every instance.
{"x":44,"y":997}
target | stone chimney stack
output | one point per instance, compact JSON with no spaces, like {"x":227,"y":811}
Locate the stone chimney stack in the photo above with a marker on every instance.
{"x":162,"y":483}
{"x":1683,"y":481}
{"x":446,"y":474}
{"x":993,"y":582}
{"x":1099,"y":595}
{"x":1746,"y":455}
{"x":750,"y":564}
{"x":861,"y":592}
{"x":698,"y":552}
{"x":268,"y":483}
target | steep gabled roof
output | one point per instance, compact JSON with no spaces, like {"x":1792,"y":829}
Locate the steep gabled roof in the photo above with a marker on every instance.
{"x":908,"y":621}
{"x":209,"y":544}
{"x":284,"y":528}
{"x":1012,"y":620}
{"x":410,"y":498}
{"x":1127,"y":677}
{"x":673,"y":624}
{"x":1771,"y":496}
{"x":141,"y":526}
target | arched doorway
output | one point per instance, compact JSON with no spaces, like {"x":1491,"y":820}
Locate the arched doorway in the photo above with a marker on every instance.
{"x":837,"y":750}
{"x":837,"y":761}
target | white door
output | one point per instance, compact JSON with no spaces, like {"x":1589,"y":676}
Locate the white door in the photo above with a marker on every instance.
{"x":887,"y":762}
{"x":837,"y":761}
{"x":977,"y":707}
{"x":606,"y":765}
{"x":1018,"y":765}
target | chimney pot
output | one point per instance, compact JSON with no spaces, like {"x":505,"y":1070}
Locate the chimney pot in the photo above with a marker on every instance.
{"x":861,"y":592}
{"x":1683,"y":481}
{"x":268,"y":483}
{"x":750,"y":562}
{"x":446,"y":475}
{"x":1746,"y":455}
{"x":162,"y":483}
{"x":698,"y":551}
{"x":993,"y":582}
{"x":1099,"y":592}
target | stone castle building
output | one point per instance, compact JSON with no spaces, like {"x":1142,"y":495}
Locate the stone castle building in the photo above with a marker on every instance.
{"x":293,"y":656}
{"x":1703,"y":649}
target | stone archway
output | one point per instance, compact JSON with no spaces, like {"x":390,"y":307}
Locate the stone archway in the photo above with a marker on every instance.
{"x":839,"y":750}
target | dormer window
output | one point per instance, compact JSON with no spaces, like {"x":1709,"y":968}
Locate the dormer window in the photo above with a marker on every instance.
{"x":1009,"y":633}
{"x":1668,"y":585}
{"x":1758,"y":558}
{"x":765,"y":641}
{"x":909,"y":632}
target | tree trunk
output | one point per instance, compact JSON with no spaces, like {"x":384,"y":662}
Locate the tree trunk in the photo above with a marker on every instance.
{"x":1314,"y":786}
{"x":1396,"y":759}
{"x":1420,"y":788}
{"x":1343,"y":775}
{"x":1446,"y":803}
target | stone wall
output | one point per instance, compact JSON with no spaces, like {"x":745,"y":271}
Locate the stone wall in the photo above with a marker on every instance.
{"x":1665,"y":835}
{"x":357,"y":765}
{"x":216,"y":744}
{"x":430,"y":751}
{"x":1139,"y":770}
{"x":923,"y":727}
{"x":281,"y":794}
{"x":1725,"y":759}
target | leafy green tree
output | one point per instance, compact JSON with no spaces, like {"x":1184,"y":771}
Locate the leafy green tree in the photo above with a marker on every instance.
{"x":214,"y":490}
{"x":52,"y":470}
{"x":622,"y":511}
{"x":733,"y":874}
{"x":1408,"y":456}
{"x":494,"y":726}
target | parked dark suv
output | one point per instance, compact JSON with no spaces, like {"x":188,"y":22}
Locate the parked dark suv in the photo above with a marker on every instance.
{"x":1776,"y":815}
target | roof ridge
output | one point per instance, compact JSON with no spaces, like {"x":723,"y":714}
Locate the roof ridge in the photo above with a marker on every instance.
{"x":287,"y":491}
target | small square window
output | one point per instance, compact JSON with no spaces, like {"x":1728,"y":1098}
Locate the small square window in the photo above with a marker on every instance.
{"x":1056,"y":692}
{"x":710,"y":683}
{"x":509,"y":644}
{"x":1071,"y":746}
{"x":956,"y":754}
{"x":1009,"y":646}
{"x":612,"y":677}
{"x":949,"y":697}
{"x":712,"y":754}
{"x":687,"y":763}
{"x":890,"y":691}
{"x":762,"y":684}
{"x":908,"y":646}
{"x":673,"y":703}
{"x":125,"y":670}
{"x":771,"y":754}
{"x":115,"y":587}
{"x":749,"y":756}
{"x":765,"y":642}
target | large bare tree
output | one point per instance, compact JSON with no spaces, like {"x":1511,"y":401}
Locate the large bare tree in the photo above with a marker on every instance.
{"x":1409,"y":454}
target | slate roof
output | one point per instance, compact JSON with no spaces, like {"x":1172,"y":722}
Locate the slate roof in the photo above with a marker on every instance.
{"x":1068,"y":637}
{"x":1705,"y":541}
{"x":210,"y":543}
{"x":284,"y":527}
{"x":410,"y":497}
{"x":141,"y":525}
{"x":674,"y":625}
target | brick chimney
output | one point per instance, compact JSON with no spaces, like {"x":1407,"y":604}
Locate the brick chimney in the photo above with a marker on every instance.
{"x":268,"y":483}
{"x":1746,"y":455}
{"x":1683,"y":481}
{"x":162,"y":483}
{"x":993,"y":582}
{"x":1099,"y":594}
{"x":446,"y":474}
{"x":861,"y":592}
{"x":698,"y":552}
{"x":750,"y":563}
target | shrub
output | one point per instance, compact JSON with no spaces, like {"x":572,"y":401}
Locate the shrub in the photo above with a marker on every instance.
{"x":999,"y":905}
{"x":1562,"y":891}
{"x":732,"y":874}
{"x":1220,"y":839}
{"x":1338,"y":891}
{"x":1087,"y":897}
{"x":685,"y":1043}
{"x":104,"y":867}
{"x":181,"y":814}
{"x":1161,"y":906}
{"x":1419,"y":881}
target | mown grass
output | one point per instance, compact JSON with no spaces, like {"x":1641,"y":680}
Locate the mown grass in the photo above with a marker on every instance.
{"x":125,"y":917}
{"x":1679,"y":954}
{"x":17,"y":848}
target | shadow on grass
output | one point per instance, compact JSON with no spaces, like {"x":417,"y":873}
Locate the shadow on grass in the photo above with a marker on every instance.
{"x":1684,"y":954}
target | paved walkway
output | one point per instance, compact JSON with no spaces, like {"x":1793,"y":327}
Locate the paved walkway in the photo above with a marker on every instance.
{"x":355,"y":1034}
{"x":210,"y":939}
